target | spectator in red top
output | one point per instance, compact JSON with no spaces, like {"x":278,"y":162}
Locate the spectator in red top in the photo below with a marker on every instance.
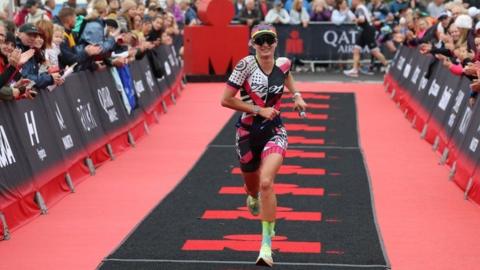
{"x":264,"y":7}
{"x":49,"y":7}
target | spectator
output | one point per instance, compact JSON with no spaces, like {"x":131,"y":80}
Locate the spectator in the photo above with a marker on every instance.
{"x":435,"y":8}
{"x":174,"y":9}
{"x":19,"y":17}
{"x":464,"y":23}
{"x":128,"y":12}
{"x":141,"y":9}
{"x":320,"y":11}
{"x":70,"y":4}
{"x":190,"y":13}
{"x":299,"y":14}
{"x":49,"y":7}
{"x":170,"y":25}
{"x":113,"y":8}
{"x":146,"y":26}
{"x":289,"y":5}
{"x":250,"y":15}
{"x":53,"y":52}
{"x":35,"y":14}
{"x":474,"y":13}
{"x":27,"y":37}
{"x":277,"y":15}
{"x":397,"y":5}
{"x":70,"y":53}
{"x":239,"y":5}
{"x":157,"y":29}
{"x":379,"y":10}
{"x":264,"y":6}
{"x":341,"y":13}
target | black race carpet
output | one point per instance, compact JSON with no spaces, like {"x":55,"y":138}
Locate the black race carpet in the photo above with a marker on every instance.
{"x":325,"y":210}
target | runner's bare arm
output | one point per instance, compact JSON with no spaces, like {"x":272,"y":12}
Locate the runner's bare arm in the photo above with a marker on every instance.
{"x":300,"y":104}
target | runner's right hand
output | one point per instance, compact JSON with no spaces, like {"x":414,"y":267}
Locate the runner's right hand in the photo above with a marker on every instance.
{"x":268,"y":113}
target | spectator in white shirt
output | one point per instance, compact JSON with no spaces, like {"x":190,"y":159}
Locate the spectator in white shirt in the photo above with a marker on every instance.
{"x":277,"y":15}
{"x":299,"y":14}
{"x":435,"y":8}
{"x":342,"y":14}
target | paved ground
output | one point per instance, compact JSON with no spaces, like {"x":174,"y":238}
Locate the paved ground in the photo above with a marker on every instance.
{"x":335,"y":76}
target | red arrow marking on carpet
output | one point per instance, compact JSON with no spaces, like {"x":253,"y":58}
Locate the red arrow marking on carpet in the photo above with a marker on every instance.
{"x":291,"y":169}
{"x":310,"y":95}
{"x":310,"y":105}
{"x":280,"y":189}
{"x":282,"y":213}
{"x":303,"y":154}
{"x":314,"y":116}
{"x":303,"y":140}
{"x":252,"y":243}
{"x":304,"y":127}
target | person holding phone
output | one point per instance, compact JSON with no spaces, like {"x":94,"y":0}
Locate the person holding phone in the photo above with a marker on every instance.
{"x":261,"y":139}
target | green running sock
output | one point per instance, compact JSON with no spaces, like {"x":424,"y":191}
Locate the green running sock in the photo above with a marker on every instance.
{"x":268,"y":231}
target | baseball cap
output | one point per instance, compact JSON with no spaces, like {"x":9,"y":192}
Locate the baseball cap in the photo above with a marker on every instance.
{"x":263,"y":29}
{"x":444,"y":15}
{"x":28,"y":28}
{"x":473,"y":12}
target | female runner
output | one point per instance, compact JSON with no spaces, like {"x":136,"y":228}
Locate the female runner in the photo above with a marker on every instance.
{"x":261,"y":139}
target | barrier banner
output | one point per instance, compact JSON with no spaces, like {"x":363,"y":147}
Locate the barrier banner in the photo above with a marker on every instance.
{"x":450,"y":88}
{"x":85,"y":112}
{"x":318,"y":41}
{"x":165,"y":55}
{"x":39,"y":142}
{"x":62,"y":122}
{"x":469,"y":151}
{"x":459,"y":133}
{"x":389,"y":79}
{"x":111,"y":112}
{"x":144,"y":91}
{"x":149,"y":79}
{"x":454,"y":113}
{"x":429,"y":97}
{"x":16,"y":185}
{"x":409,"y":79}
{"x":419,"y":84}
{"x":399,"y":77}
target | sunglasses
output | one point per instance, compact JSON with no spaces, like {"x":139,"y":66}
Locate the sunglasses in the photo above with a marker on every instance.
{"x":269,"y":39}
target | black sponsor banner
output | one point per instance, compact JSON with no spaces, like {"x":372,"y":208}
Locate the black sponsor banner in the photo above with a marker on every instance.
{"x":15,"y":172}
{"x":427,"y":86}
{"x":470,"y":146}
{"x":393,"y":71}
{"x":166,"y":59}
{"x":463,"y":125}
{"x":454,"y":114}
{"x":445,"y":102}
{"x":63,"y":125}
{"x":149,"y":79}
{"x":434,"y":90}
{"x":111,"y":111}
{"x":405,"y":67}
{"x":400,"y":65}
{"x":318,"y":41}
{"x":415,"y":70}
{"x":40,"y":144}
{"x":84,"y":111}
{"x":145,"y":93}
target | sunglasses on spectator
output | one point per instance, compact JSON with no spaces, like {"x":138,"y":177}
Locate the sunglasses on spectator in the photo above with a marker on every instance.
{"x":269,"y":39}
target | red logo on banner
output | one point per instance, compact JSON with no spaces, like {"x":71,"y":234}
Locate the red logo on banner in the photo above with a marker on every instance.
{"x":304,"y":127}
{"x":280,"y":189}
{"x":282,"y":213}
{"x":294,"y":115}
{"x":294,"y":43}
{"x":303,"y":154}
{"x":252,"y":242}
{"x":291,"y":169}
{"x":310,"y":105}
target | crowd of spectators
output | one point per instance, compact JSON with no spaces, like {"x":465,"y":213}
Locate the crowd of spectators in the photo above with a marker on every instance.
{"x":448,"y":30}
{"x":39,"y":47}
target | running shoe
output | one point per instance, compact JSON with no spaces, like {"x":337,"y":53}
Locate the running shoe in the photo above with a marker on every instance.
{"x":253,"y":205}
{"x":351,"y":73}
{"x":366,"y":71}
{"x":265,"y":256}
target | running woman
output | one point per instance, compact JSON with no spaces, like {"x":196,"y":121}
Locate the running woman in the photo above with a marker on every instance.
{"x":261,"y":139}
{"x":366,"y":37}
